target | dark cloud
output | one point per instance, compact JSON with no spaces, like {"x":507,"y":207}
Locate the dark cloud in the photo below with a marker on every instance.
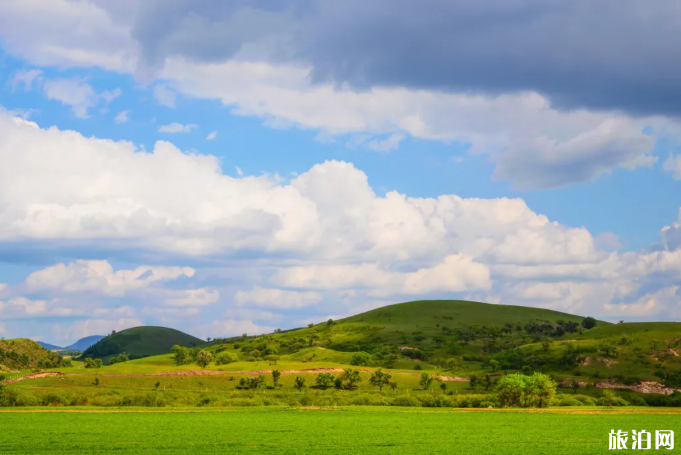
{"x":609,"y":54}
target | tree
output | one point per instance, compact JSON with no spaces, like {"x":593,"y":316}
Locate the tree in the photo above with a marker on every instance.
{"x":488,"y":382}
{"x":272,"y":359}
{"x":338,"y":382}
{"x":443,"y":386}
{"x":255,"y":382}
{"x":225,"y":358}
{"x":393,"y":385}
{"x":351,"y":378}
{"x":494,"y":365}
{"x":203,"y":358}
{"x":96,"y":381}
{"x":360,"y":359}
{"x":330,"y":322}
{"x":181,"y":355}
{"x":310,"y":325}
{"x":380,"y":379}
{"x":276,"y":374}
{"x":156,"y":386}
{"x":325,"y":380}
{"x":473,"y":381}
{"x":546,"y":345}
{"x":425,"y":381}
{"x":589,"y":323}
{"x":93,"y":363}
{"x":526,"y":391}
{"x":452,"y":364}
{"x":299,"y":383}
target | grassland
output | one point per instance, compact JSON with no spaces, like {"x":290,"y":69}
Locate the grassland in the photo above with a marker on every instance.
{"x":301,"y":431}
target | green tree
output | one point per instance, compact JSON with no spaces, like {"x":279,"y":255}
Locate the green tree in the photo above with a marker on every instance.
{"x":360,"y":359}
{"x":425,"y":381}
{"x":276,"y":374}
{"x":255,"y":382}
{"x":589,"y":322}
{"x":546,"y":345}
{"x":93,"y":363}
{"x":325,"y":380}
{"x":473,"y":381}
{"x":338,"y":382}
{"x":272,"y":359}
{"x":181,"y":355}
{"x":157,"y":385}
{"x":494,"y":365}
{"x":393,"y":385}
{"x":330,"y":322}
{"x":225,"y":358}
{"x":380,"y":379}
{"x":443,"y":386}
{"x":203,"y":358}
{"x":299,"y":383}
{"x":452,"y":364}
{"x":351,"y":378}
{"x":526,"y":391}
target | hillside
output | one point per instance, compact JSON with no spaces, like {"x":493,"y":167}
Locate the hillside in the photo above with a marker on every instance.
{"x":23,"y":354}
{"x":140,"y":342}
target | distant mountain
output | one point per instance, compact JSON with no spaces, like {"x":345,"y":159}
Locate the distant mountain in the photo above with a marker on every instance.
{"x":140,"y":342}
{"x":49,"y":346}
{"x":84,"y":343}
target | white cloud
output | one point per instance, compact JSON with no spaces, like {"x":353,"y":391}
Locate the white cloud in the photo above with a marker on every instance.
{"x":325,"y":231}
{"x":81,"y":275}
{"x":27,"y":78}
{"x":122,"y":117}
{"x":212,"y":135}
{"x":275,"y":298}
{"x":231,"y":327}
{"x":89,"y":327}
{"x":673,"y":165}
{"x":72,"y":92}
{"x":25,"y":306}
{"x":177,"y":128}
{"x":110,"y":95}
{"x":239,"y":171}
{"x":192,"y":297}
{"x":164,"y":95}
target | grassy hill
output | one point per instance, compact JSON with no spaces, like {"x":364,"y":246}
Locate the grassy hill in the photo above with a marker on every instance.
{"x":24,"y":354}
{"x":140,"y":342}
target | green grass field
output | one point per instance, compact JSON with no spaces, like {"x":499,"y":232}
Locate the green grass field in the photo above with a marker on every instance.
{"x":353,"y":430}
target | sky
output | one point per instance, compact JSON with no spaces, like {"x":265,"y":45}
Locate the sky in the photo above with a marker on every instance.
{"x":236,"y":167}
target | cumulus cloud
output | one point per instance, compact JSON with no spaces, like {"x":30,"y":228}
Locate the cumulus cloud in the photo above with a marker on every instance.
{"x":232,"y":327}
{"x":122,"y":117}
{"x":89,"y":327}
{"x":72,"y":92}
{"x":323,"y":233}
{"x":192,"y":297}
{"x":82,"y":275}
{"x":275,"y":298}
{"x":177,"y":128}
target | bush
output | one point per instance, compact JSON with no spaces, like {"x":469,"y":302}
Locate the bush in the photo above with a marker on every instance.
{"x":405,"y":400}
{"x":609,"y":398}
{"x":360,"y":359}
{"x":226,"y":358}
{"x":526,"y":391}
{"x":369,"y":400}
{"x":637,"y":401}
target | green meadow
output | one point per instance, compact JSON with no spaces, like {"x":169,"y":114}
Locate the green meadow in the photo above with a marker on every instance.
{"x":343,"y":430}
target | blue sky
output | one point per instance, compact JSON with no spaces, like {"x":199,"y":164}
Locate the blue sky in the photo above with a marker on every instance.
{"x":222,"y":183}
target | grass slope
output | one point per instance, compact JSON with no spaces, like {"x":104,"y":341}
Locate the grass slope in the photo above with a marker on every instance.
{"x":140,"y":342}
{"x":21,"y":354}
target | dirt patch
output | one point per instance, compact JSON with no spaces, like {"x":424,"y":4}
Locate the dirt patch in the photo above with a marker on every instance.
{"x":34,"y":376}
{"x":587,"y":361}
{"x":642,"y":387}
{"x":608,"y":362}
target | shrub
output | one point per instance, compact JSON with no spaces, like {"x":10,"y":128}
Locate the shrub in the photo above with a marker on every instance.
{"x":589,"y":323}
{"x":226,"y":358}
{"x":526,"y":391}
{"x":609,"y":398}
{"x":405,"y":400}
{"x":360,"y":359}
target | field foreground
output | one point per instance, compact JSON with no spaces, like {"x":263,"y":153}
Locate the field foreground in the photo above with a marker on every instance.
{"x":347,"y":430}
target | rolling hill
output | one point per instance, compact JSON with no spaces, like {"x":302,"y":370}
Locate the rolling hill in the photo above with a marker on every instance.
{"x":23,"y":354}
{"x":140,"y":342}
{"x":49,"y":346}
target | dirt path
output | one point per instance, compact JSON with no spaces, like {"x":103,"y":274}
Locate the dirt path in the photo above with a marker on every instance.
{"x":217,"y":373}
{"x":34,"y":376}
